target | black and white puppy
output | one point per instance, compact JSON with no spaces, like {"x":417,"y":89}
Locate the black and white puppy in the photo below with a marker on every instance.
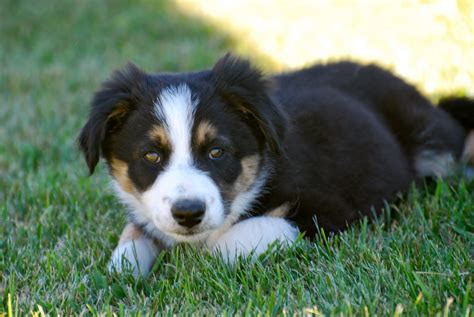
{"x":231,"y":161}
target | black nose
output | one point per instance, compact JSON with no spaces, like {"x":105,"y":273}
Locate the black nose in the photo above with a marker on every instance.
{"x":188,"y":212}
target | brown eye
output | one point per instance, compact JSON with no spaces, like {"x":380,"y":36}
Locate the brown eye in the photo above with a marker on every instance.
{"x":153,"y":157}
{"x":216,"y":153}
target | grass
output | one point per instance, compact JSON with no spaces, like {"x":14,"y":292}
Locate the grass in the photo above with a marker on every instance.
{"x":58,"y":227}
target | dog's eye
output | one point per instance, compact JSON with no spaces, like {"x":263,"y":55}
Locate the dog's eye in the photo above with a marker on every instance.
{"x":152,"y":157}
{"x":216,"y":153}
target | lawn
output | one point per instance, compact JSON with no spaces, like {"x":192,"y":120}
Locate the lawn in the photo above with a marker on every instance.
{"x":58,"y":226}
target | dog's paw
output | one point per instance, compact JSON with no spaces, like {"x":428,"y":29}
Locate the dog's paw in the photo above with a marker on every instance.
{"x":136,"y":256}
{"x":252,"y":237}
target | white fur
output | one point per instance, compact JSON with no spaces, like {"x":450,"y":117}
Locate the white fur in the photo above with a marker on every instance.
{"x":253,"y":236}
{"x":175,"y":108}
{"x":430,"y":163}
{"x":136,"y":255}
{"x":140,"y":214}
{"x":183,"y":183}
{"x":180,"y":180}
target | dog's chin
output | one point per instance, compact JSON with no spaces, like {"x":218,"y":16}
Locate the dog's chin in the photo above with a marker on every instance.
{"x":195,"y":235}
{"x":190,"y":236}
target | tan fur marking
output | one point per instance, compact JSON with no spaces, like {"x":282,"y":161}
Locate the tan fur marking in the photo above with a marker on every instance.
{"x":129,"y":233}
{"x":133,"y":232}
{"x":158,"y":133}
{"x":468,"y":153}
{"x":205,"y":131}
{"x":250,"y":165}
{"x":280,"y":211}
{"x":119,"y":170}
{"x":119,"y":112}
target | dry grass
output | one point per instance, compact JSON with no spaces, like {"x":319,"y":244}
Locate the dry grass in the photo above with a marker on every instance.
{"x":431,"y":43}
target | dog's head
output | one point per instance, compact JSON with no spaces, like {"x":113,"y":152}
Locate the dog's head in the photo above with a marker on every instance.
{"x":189,"y":153}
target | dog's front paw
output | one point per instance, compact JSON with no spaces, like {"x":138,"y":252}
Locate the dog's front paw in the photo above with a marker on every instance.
{"x":253,"y":236}
{"x":136,"y":256}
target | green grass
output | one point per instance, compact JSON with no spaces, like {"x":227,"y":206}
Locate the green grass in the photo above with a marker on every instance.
{"x":58,"y":227}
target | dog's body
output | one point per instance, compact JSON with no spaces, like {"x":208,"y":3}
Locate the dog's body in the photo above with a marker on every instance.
{"x":225,"y":160}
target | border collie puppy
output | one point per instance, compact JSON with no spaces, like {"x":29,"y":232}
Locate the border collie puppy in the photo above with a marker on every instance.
{"x":229,"y":160}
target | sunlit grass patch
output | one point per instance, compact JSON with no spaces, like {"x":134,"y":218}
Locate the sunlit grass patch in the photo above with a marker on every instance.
{"x":431,"y":43}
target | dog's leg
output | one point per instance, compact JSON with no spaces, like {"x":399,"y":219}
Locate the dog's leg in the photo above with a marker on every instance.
{"x":253,"y":236}
{"x":134,"y":252}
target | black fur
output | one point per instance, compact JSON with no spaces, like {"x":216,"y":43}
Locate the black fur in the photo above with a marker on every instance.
{"x":354,"y":136}
{"x":461,"y":108}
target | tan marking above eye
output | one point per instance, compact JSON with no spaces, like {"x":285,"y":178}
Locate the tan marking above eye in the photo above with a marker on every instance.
{"x":152,"y":157}
{"x":119,"y":112}
{"x":158,"y":133}
{"x":205,"y":131}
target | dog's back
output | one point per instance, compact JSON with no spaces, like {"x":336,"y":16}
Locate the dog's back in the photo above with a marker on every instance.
{"x":401,"y":107}
{"x":358,"y":136}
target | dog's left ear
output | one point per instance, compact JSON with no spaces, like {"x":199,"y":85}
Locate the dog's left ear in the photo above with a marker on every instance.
{"x":245,"y":88}
{"x":109,"y":109}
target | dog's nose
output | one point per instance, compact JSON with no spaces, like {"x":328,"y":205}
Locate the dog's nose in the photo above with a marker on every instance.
{"x":188,"y":212}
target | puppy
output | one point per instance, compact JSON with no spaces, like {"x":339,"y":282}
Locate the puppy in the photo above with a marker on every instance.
{"x":229,"y":160}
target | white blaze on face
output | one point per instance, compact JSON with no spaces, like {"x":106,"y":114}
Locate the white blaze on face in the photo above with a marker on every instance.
{"x":175,"y":107}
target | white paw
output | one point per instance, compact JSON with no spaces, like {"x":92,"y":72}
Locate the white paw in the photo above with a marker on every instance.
{"x":136,"y":256}
{"x":253,"y":237}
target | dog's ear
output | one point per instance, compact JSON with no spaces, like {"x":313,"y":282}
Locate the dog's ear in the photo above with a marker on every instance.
{"x":245,"y":88}
{"x":110,"y":106}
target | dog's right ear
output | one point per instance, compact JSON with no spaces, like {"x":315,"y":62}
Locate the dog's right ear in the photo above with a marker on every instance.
{"x":246,"y":89}
{"x":109,"y":108}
